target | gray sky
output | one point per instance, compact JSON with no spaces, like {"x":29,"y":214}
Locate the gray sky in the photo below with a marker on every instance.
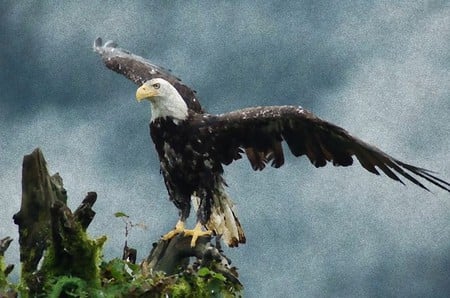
{"x":380,"y":70}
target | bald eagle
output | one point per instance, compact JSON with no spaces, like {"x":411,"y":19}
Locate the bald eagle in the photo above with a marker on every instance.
{"x":193,"y":146}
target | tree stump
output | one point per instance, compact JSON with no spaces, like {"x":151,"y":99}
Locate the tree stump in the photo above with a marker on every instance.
{"x":52,"y":239}
{"x":59,"y":259}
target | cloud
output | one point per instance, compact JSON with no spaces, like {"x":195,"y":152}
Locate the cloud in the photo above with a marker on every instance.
{"x":380,"y":70}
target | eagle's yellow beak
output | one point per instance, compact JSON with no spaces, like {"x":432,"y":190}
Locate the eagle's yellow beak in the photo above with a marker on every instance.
{"x":145,"y":92}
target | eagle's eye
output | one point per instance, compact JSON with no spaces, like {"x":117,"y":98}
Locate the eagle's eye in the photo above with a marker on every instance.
{"x":156,"y":85}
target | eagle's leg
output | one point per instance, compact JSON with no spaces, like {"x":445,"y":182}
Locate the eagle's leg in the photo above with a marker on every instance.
{"x":182,"y":202}
{"x":179,"y":228}
{"x":196,"y":232}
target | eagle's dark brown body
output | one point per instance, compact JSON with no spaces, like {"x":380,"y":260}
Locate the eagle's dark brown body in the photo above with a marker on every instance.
{"x":187,"y":164}
{"x":190,"y":164}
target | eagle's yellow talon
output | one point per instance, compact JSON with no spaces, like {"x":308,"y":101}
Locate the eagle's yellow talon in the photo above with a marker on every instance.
{"x":196,"y":232}
{"x":179,"y":228}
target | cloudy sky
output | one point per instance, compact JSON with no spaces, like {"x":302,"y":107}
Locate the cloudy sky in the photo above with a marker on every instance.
{"x":380,"y":70}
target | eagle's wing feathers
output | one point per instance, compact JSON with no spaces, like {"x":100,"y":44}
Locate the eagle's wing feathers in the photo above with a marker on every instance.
{"x":139,"y":70}
{"x":259,"y":132}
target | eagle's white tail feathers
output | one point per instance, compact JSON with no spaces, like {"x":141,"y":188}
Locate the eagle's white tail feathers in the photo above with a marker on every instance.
{"x":223,"y":220}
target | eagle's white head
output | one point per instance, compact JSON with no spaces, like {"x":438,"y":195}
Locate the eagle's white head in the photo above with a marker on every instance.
{"x":164,"y":98}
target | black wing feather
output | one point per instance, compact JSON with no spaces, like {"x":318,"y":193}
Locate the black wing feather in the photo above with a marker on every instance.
{"x":260,"y":130}
{"x":140,"y":70}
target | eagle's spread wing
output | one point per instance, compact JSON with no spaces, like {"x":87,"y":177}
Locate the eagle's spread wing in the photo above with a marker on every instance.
{"x":261,"y":130}
{"x":140,"y":70}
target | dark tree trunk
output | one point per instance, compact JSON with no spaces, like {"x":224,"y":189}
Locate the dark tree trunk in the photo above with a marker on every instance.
{"x":39,"y":192}
{"x":47,"y":228}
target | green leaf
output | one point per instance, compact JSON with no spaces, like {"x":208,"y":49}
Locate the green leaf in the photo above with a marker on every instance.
{"x":120,"y":214}
{"x":202,"y":272}
{"x":219,"y":276}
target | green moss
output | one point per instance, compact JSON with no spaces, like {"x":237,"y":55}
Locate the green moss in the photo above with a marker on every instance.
{"x":70,"y":265}
{"x":80,"y":258}
{"x":204,"y":282}
{"x":118,"y":278}
{"x":3,"y":280}
{"x":6,"y":288}
{"x":67,"y":286}
{"x":121,"y":279}
{"x":181,"y":289}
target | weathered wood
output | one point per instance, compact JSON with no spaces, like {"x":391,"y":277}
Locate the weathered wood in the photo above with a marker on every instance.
{"x":84,"y":213}
{"x":170,"y":255}
{"x":47,"y":226}
{"x":39,"y":192}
